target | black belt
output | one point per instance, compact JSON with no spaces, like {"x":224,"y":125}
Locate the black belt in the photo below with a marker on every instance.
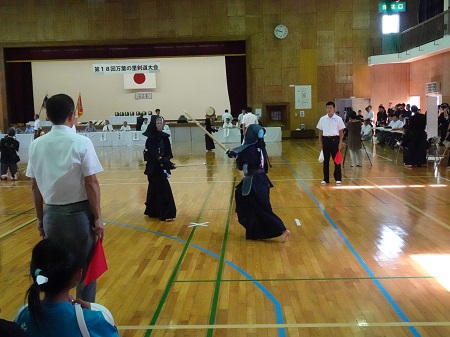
{"x":253,"y":172}
{"x":329,"y":136}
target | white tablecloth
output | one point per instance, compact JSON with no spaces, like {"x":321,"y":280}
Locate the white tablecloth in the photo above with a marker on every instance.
{"x":195,"y":134}
{"x":136,"y":138}
{"x":273,"y":134}
{"x":117,"y":138}
{"x":43,"y":123}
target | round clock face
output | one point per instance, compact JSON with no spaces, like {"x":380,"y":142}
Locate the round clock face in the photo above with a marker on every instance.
{"x":280,"y":31}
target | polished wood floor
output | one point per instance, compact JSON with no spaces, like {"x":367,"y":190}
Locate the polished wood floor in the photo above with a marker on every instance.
{"x":368,"y":258}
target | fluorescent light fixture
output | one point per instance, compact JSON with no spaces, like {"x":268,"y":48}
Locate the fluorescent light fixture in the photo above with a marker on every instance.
{"x":390,"y":24}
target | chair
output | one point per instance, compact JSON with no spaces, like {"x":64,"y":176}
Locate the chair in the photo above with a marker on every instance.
{"x":433,"y":151}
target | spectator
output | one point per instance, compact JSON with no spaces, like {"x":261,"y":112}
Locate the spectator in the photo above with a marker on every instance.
{"x":90,"y":127}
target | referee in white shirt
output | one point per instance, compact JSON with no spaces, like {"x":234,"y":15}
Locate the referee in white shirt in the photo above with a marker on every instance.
{"x":331,"y":133}
{"x":62,"y":166}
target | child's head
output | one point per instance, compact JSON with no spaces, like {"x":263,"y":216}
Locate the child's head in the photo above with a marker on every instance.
{"x":11,"y":132}
{"x":56,"y":266}
{"x":227,"y":120}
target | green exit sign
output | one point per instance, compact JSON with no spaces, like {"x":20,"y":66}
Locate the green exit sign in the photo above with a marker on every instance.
{"x":392,"y":7}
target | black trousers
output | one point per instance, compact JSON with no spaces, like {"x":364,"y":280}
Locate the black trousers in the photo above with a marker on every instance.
{"x":330,"y":149}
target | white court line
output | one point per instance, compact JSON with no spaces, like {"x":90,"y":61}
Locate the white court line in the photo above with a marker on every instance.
{"x":278,"y":326}
{"x":195,"y":224}
{"x":297,"y":221}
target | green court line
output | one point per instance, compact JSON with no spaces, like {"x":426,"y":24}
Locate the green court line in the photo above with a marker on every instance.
{"x":16,"y":214}
{"x":315,"y":279}
{"x":215,"y":301}
{"x":177,"y":267}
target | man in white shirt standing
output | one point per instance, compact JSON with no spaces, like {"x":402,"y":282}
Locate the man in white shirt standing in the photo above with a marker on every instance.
{"x":248,"y":119}
{"x":62,"y":166}
{"x":37,"y":126}
{"x":331,"y":133}
{"x":239,"y":123}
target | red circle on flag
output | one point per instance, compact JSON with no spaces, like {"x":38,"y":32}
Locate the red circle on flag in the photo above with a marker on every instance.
{"x":139,"y":78}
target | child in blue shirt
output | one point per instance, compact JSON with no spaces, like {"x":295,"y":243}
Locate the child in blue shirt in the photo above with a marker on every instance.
{"x":56,"y":268}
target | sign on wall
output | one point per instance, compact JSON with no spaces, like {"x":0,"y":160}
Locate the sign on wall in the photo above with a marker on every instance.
{"x":125,"y":68}
{"x":392,"y":7}
{"x":303,"y":97}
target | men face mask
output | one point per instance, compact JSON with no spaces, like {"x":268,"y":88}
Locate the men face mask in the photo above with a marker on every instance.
{"x":159,"y":124}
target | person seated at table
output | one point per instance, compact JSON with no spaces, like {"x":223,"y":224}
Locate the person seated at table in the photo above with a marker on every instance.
{"x":394,"y":125}
{"x":144,"y":125}
{"x":381,"y":116}
{"x":366,"y":130}
{"x":29,"y":128}
{"x":17,"y":129}
{"x":125,"y":127}
{"x":90,"y":127}
{"x":360,"y":116}
{"x":107,"y":127}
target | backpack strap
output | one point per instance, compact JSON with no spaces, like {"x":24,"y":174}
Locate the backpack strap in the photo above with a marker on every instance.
{"x":81,"y":321}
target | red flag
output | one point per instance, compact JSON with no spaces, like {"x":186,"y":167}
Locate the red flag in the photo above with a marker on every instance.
{"x":97,"y":265}
{"x":79,"y":106}
{"x":338,"y":158}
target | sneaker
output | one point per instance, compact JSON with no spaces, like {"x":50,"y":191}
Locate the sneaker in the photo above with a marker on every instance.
{"x":338,"y":182}
{"x":4,"y":177}
{"x":15,"y":176}
{"x":323,"y":182}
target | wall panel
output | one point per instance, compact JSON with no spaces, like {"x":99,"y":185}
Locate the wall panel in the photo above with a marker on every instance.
{"x":327,"y":40}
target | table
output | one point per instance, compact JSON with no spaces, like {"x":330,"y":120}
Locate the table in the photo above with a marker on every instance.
{"x":43,"y":123}
{"x":136,"y":138}
{"x":192,"y":133}
{"x":117,"y":138}
{"x":382,"y":128}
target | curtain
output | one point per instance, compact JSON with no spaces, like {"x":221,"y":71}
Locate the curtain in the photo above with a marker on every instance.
{"x":236,"y":83}
{"x":429,"y":9}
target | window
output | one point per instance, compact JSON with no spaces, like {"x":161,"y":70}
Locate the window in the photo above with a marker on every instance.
{"x":390,"y":24}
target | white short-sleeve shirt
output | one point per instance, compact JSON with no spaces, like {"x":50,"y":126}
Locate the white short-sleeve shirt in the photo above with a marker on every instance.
{"x":396,"y":124}
{"x":59,"y":161}
{"x":330,"y":126}
{"x":249,"y":119}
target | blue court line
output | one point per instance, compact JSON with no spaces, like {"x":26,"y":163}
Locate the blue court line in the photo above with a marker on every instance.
{"x":277,"y":306}
{"x":380,"y":287}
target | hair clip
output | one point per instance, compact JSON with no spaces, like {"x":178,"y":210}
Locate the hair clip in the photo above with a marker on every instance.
{"x":40,"y":279}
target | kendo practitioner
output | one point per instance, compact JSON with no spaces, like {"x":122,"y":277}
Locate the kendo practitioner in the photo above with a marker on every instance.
{"x":209,"y":143}
{"x":252,"y":193}
{"x":139,"y":121}
{"x":160,"y":203}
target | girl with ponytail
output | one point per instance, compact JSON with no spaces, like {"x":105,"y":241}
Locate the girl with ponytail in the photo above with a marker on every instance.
{"x":56,"y":268}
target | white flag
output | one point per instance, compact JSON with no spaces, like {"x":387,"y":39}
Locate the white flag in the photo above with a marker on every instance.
{"x":139,"y":81}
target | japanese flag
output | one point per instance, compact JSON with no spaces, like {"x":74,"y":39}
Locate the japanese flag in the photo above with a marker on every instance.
{"x":139,"y":81}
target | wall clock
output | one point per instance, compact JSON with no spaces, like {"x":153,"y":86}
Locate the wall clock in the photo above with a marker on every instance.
{"x":280,"y":31}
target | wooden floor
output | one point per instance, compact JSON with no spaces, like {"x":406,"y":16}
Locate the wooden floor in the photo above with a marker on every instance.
{"x":368,"y":258}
